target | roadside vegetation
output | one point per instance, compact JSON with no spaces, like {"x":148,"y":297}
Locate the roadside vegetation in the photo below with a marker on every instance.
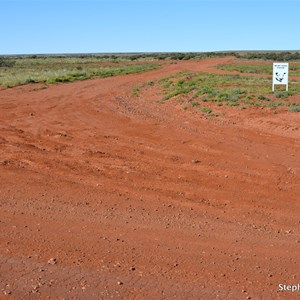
{"x":258,"y":68}
{"x":271,"y":55}
{"x":197,"y":90}
{"x":51,"y":70}
{"x":48,"y":69}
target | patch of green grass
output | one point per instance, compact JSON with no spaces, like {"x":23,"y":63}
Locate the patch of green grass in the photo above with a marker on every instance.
{"x":257,"y":103}
{"x":274,"y":104}
{"x":232,"y":104}
{"x":233,"y":98}
{"x":238,"y":91}
{"x":150,"y":83}
{"x":206,"y":110}
{"x":246,"y":68}
{"x":257,"y":67}
{"x":263,"y":98}
{"x":295,"y":108}
{"x":135,"y":90}
{"x":212,"y":115}
{"x":281,"y":94}
{"x":229,"y":89}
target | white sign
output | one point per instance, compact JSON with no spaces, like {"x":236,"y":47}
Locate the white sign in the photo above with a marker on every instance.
{"x":280,"y":74}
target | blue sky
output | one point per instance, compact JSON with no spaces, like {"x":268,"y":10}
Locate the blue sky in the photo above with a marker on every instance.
{"x":77,"y":26}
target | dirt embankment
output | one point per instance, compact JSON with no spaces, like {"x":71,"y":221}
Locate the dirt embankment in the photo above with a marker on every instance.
{"x":104,"y":194}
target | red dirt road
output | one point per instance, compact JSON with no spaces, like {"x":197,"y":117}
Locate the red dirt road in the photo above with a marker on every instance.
{"x":133,"y":199}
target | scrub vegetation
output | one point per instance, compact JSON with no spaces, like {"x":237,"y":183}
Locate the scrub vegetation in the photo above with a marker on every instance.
{"x":196,"y":90}
{"x":203,"y":92}
{"x":49,"y":70}
{"x":258,"y":68}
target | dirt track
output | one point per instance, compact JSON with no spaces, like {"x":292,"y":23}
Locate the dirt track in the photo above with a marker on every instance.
{"x":140,"y":200}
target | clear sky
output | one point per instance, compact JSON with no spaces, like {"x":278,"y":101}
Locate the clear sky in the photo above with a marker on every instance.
{"x":81,"y":26}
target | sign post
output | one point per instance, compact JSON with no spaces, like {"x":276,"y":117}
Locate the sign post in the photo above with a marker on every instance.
{"x":280,"y":74}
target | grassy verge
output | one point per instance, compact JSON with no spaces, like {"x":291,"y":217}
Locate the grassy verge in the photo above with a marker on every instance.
{"x":55,"y":70}
{"x":197,"y":89}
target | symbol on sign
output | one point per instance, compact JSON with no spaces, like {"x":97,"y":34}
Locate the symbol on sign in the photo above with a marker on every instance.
{"x":280,"y":76}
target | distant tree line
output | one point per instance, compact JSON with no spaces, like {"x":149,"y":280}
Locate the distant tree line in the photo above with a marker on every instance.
{"x":9,"y":61}
{"x":276,"y":56}
{"x":178,"y":55}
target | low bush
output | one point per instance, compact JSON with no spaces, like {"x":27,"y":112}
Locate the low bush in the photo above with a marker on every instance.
{"x":206,"y":110}
{"x":263,"y":98}
{"x":295,"y":108}
{"x":281,"y":94}
{"x":7,"y":63}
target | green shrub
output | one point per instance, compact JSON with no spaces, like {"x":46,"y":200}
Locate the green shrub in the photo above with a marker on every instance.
{"x":223,"y":96}
{"x":295,"y":108}
{"x":274,"y":104}
{"x":281,"y":94}
{"x":207,"y":90}
{"x":206,"y":110}
{"x":135,"y":90}
{"x":233,"y":98}
{"x":6,"y":62}
{"x":231,"y":104}
{"x":239,"y":91}
{"x":263,"y":98}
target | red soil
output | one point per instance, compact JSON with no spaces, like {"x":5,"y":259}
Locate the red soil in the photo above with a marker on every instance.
{"x":140,"y":200}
